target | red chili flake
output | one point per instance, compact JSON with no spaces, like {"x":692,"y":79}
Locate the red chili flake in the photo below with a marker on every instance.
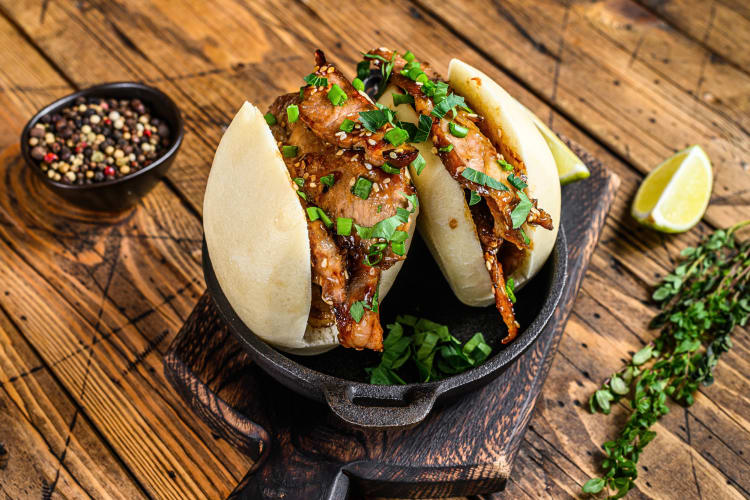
{"x":109,"y":172}
{"x":50,"y":157}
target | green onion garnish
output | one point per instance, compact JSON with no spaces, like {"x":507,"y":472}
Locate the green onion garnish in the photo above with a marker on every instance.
{"x":347,"y":125}
{"x":358,"y":84}
{"x":289,"y":151}
{"x":396,"y":136}
{"x":328,"y":180}
{"x":458,"y":130}
{"x":507,"y":166}
{"x":344,"y":226}
{"x":302,"y":195}
{"x":446,"y":149}
{"x":312,"y":213}
{"x":475,"y":198}
{"x":324,"y":217}
{"x":363,"y":69}
{"x":409,"y":56}
{"x":446,"y":105}
{"x":362,"y":188}
{"x":292,"y":113}
{"x":336,"y":95}
{"x":519,"y":214}
{"x":299,"y":181}
{"x":390,"y":169}
{"x":510,"y":285}
{"x":402,"y":99}
{"x":419,"y":163}
{"x":270,"y":119}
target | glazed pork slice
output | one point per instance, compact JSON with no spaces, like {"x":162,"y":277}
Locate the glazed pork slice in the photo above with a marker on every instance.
{"x":324,"y":118}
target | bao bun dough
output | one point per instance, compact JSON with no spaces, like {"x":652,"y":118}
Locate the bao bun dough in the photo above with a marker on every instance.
{"x":446,"y":223}
{"x":256,"y":234}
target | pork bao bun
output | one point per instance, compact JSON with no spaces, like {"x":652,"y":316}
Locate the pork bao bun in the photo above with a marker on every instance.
{"x":257,"y":237}
{"x":446,"y":223}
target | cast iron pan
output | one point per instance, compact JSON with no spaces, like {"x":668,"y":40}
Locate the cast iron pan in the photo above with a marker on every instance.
{"x":338,"y":378}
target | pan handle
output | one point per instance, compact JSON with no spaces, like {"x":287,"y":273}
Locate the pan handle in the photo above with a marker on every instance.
{"x":380,"y":407}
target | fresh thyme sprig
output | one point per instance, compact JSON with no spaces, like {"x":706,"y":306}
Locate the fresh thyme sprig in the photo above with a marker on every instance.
{"x":702,"y":300}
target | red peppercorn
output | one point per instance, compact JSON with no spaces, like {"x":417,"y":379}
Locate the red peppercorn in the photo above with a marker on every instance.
{"x":109,"y":172}
{"x":147,"y":133}
{"x":81,"y":146}
{"x":108,"y":121}
{"x":50,"y":157}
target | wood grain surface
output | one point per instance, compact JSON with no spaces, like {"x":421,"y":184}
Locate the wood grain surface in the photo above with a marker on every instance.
{"x":90,"y":305}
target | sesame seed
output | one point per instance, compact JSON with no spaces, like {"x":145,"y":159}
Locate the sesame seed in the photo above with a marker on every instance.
{"x":393,"y":155}
{"x":339,"y":152}
{"x":376,"y":187}
{"x":371,"y":142}
{"x":368,"y":166}
{"x":324,"y":263}
{"x":387,"y":180}
{"x":330,"y":69}
{"x":368,"y":134}
{"x":312,"y":184}
{"x":351,"y":182}
{"x":434,"y":150}
{"x":355,"y":157}
{"x":322,"y":69}
{"x":488,"y":264}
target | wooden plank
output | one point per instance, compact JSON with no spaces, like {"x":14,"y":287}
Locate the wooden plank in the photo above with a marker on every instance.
{"x":628,"y":101}
{"x":53,"y":448}
{"x":723,"y":26}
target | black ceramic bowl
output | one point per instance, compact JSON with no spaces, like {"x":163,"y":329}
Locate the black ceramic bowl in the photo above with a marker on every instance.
{"x":338,"y":378}
{"x":117,"y":194}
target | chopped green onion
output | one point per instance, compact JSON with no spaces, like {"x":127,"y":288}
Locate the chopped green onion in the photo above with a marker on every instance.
{"x":507,"y":166}
{"x":419,"y":163}
{"x":398,"y":247}
{"x":396,"y":136}
{"x":409,"y":56}
{"x":347,"y":125}
{"x":402,"y":99}
{"x":373,"y":259}
{"x":510,"y":285}
{"x":390,"y":169}
{"x":362,"y":188}
{"x":358,"y":84}
{"x":525,"y":238}
{"x":302,"y":195}
{"x":313,"y":214}
{"x":422,"y":78}
{"x":336,"y":95}
{"x":344,"y":226}
{"x":289,"y":151}
{"x":446,"y":149}
{"x":316,"y":81}
{"x":328,"y":180}
{"x":299,"y":181}
{"x":292,"y":113}
{"x":483,"y":179}
{"x":324,"y":217}
{"x":270,"y":119}
{"x":519,"y":214}
{"x":475,"y":198}
{"x":458,"y":130}
{"x":380,"y":208}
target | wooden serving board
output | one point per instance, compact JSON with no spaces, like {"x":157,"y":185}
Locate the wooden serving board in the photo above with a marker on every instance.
{"x":302,"y":451}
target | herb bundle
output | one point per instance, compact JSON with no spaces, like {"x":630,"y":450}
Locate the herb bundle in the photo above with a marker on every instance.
{"x":434,"y":351}
{"x":702,"y":301}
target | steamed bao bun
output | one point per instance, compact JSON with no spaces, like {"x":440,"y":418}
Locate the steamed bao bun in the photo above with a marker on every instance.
{"x":446,"y":224}
{"x":256,"y":234}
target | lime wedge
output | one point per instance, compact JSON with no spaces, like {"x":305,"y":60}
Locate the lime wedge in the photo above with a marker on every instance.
{"x":673,"y":197}
{"x":569,"y":166}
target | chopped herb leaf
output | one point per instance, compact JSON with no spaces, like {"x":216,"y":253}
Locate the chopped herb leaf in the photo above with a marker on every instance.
{"x":446,"y":105}
{"x":474,"y":199}
{"x":302,"y":195}
{"x":373,"y":120}
{"x":328,"y":180}
{"x":519,"y":214}
{"x":483,"y":179}
{"x":424,"y":127}
{"x":402,"y":99}
{"x":270,"y":119}
{"x":457,"y":130}
{"x":316,"y":81}
{"x":446,"y":149}
{"x":344,"y":226}
{"x":380,"y":208}
{"x":292,"y":113}
{"x":362,"y":188}
{"x":299,"y":181}
{"x":336,"y":95}
{"x":357,"y":310}
{"x":418,"y":164}
{"x":289,"y":151}
{"x":398,"y":247}
{"x":363,"y":69}
{"x":396,"y":136}
{"x":516,"y":182}
{"x":358,"y":84}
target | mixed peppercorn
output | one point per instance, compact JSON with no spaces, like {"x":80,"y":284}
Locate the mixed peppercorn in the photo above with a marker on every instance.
{"x":97,"y":140}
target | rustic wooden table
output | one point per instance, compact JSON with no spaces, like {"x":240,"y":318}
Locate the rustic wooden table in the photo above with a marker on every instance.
{"x":89,"y":306}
